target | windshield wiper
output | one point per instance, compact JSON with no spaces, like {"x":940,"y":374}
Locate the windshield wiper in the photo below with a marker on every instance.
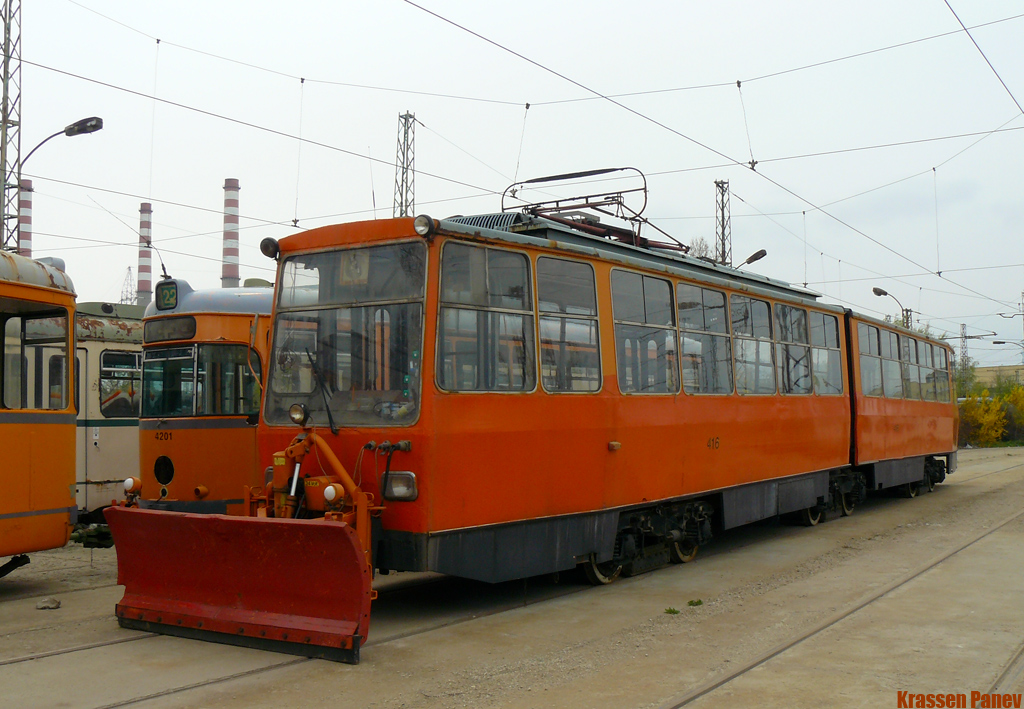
{"x":323,"y":390}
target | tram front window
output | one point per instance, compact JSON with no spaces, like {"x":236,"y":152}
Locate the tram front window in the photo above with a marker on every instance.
{"x":348,"y":335}
{"x":207,"y":380}
{"x":168,"y":382}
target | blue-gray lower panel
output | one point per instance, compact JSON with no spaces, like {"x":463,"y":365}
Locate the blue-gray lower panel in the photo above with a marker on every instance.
{"x":202,"y":507}
{"x":504,"y":552}
{"x":761,"y":500}
{"x":73,"y":511}
{"x":890,"y":473}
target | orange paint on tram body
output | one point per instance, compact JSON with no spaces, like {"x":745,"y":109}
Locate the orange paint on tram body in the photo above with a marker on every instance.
{"x":203,"y":362}
{"x":37,"y":414}
{"x":509,"y":395}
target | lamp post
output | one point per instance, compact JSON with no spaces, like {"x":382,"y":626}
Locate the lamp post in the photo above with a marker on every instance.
{"x":82,"y":127}
{"x":908,"y":315}
{"x":12,"y":237}
{"x":756,"y":256}
{"x":1007,"y":342}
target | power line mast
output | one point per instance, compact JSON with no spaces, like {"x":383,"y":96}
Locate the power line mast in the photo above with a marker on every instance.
{"x":405,"y":173}
{"x":10,"y":130}
{"x":965,"y":361}
{"x":723,"y":224}
{"x":128,"y":294}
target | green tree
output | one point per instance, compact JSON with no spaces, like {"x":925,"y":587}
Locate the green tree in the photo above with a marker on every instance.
{"x":982,"y":420}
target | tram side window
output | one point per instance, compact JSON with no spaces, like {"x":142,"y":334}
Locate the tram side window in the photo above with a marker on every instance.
{"x":752,"y":345}
{"x":941,"y":374}
{"x":225,"y":385}
{"x":706,"y":350}
{"x":870,"y":360}
{"x":486,"y":326}
{"x":911,"y":370}
{"x":569,"y":351}
{"x":826,"y":357}
{"x":928,"y":374}
{"x":793,"y":353}
{"x":892,"y":378}
{"x":645,"y":334}
{"x":120,"y":378}
{"x":35,"y":372}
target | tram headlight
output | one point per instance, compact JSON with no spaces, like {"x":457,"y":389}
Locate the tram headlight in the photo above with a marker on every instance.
{"x":423,"y":225}
{"x":333,"y":492}
{"x":401,"y":486}
{"x":132,"y":486}
{"x":299,"y":414}
{"x":270,"y":248}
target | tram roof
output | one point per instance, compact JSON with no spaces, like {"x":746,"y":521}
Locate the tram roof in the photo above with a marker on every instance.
{"x":216,"y":300}
{"x":534,"y":230}
{"x":15,"y":268}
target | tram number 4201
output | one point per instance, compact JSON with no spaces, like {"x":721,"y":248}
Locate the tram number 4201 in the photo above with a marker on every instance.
{"x":714,"y":443}
{"x":163,"y":435}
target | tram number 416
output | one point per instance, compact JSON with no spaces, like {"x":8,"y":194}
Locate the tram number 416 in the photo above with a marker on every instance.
{"x":163,"y":435}
{"x":713,"y":443}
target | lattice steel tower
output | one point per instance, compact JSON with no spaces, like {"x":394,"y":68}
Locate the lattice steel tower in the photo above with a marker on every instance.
{"x":128,"y":294}
{"x":965,"y":361}
{"x":723,"y":225}
{"x":405,"y":173}
{"x":10,"y":130}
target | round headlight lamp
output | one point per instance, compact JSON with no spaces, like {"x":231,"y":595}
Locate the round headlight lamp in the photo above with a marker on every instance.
{"x":423,"y":225}
{"x":299,"y":414}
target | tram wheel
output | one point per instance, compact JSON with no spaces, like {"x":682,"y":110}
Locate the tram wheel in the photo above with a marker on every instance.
{"x":681,"y":553}
{"x":929,"y":482}
{"x":601,"y":574}
{"x":847,"y":500}
{"x":811,"y":516}
{"x":910,"y":490}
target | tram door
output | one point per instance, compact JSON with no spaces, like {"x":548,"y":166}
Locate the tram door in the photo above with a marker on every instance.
{"x":82,"y":400}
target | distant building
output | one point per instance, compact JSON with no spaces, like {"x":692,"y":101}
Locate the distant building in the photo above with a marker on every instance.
{"x":988,"y":376}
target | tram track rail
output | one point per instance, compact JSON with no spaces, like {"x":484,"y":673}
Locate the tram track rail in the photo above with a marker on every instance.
{"x":1013,"y":669}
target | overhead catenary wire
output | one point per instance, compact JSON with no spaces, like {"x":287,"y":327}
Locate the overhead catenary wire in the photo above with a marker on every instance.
{"x":690,"y":139}
{"x":507,"y":102}
{"x":249,"y":124}
{"x":983,"y":56}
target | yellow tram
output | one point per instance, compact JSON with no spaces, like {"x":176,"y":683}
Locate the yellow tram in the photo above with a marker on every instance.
{"x":37,"y":411}
{"x":204,"y":355}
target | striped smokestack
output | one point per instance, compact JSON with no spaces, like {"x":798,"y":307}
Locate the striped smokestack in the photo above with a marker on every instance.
{"x":25,"y":218}
{"x":145,"y":287}
{"x":229,"y":264}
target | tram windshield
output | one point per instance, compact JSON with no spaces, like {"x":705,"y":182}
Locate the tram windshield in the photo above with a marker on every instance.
{"x":348,"y":335}
{"x":200,"y":380}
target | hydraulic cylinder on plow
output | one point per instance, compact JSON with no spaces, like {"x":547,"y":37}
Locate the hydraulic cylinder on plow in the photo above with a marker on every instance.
{"x":267,"y":580}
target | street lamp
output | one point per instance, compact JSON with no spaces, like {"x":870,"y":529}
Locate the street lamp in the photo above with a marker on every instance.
{"x":11,"y":236}
{"x":756,"y":256}
{"x":908,"y":315}
{"x":1005,"y":342}
{"x":82,"y":127}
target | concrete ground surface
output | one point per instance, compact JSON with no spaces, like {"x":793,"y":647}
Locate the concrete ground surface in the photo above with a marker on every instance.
{"x":920,"y":595}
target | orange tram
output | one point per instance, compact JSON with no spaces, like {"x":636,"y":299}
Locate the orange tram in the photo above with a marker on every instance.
{"x":37,"y":414}
{"x":502,"y":396}
{"x":204,"y":355}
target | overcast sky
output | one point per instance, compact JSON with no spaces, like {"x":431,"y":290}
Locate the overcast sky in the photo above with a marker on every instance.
{"x":887,"y":147}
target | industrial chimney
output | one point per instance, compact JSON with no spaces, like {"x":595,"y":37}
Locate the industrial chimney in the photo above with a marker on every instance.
{"x":25,"y":218}
{"x":229,"y":263}
{"x":145,"y":282}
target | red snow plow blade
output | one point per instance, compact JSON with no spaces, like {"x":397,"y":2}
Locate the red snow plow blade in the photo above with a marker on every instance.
{"x":288,"y":585}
